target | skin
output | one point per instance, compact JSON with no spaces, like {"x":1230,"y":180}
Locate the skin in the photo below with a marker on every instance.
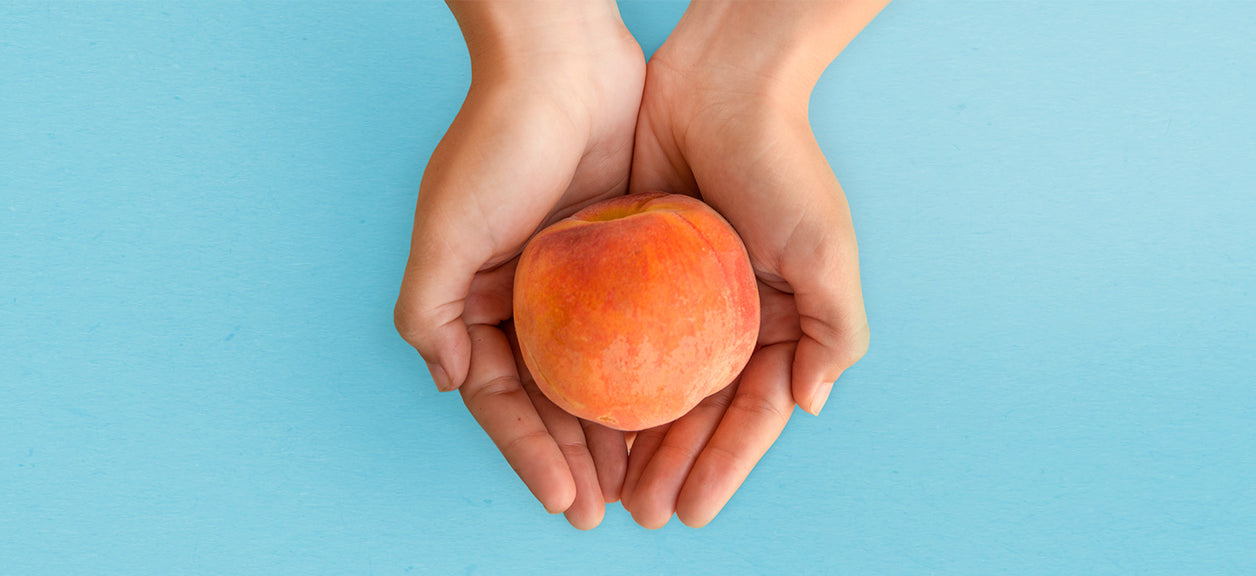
{"x":546,"y":129}
{"x":725,"y":112}
{"x":559,"y":90}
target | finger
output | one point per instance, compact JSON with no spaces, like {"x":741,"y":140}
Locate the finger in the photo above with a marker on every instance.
{"x":655,"y":495}
{"x":644,"y":443}
{"x":495,"y":396}
{"x":610,"y":455}
{"x":819,"y":362}
{"x":778,"y":316}
{"x":490,"y":298}
{"x":588,"y":508}
{"x":758,"y":413}
{"x":488,"y":301}
{"x":428,"y":315}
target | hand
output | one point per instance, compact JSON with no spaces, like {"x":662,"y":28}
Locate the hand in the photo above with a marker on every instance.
{"x":546,"y":129}
{"x":724,"y":117}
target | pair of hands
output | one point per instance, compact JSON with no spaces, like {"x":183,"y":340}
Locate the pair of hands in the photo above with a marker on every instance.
{"x":562,"y":112}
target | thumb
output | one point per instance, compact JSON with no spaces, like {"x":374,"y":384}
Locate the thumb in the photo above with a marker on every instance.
{"x":490,"y":182}
{"x":797,"y":225}
{"x":429,"y":310}
{"x":821,"y":265}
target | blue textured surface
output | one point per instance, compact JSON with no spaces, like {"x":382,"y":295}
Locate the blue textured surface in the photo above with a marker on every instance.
{"x":205,"y":209}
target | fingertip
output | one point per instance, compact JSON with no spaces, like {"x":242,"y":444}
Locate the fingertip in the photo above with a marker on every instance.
{"x":641,"y":448}
{"x":816,"y":368}
{"x":695,"y":521}
{"x":586,"y":519}
{"x":650,"y":521}
{"x":610,"y":458}
{"x":446,"y":350}
{"x":544,"y":471}
{"x":701,"y":500}
{"x":458,"y":370}
{"x":819,"y":398}
{"x":439,"y":377}
{"x":560,"y":499}
{"x":652,"y":506}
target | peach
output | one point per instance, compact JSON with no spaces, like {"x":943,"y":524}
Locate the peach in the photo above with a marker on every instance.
{"x":631,"y":311}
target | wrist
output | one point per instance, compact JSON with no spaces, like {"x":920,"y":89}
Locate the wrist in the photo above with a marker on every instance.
{"x":507,"y":39}
{"x":772,"y":49}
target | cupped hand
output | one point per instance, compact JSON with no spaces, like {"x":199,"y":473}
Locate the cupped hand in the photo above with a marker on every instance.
{"x":737,"y":135}
{"x":546,"y":129}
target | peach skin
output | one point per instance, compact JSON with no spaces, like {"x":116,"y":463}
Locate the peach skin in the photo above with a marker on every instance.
{"x":632,"y":310}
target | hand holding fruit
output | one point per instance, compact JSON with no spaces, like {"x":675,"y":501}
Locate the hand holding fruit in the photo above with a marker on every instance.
{"x":546,"y":129}
{"x":725,"y":119}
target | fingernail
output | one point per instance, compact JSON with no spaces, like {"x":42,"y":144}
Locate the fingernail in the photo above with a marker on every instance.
{"x":439,"y":377}
{"x":820,"y":397}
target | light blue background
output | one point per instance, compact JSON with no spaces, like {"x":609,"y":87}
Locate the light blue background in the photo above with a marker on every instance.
{"x":205,"y":210}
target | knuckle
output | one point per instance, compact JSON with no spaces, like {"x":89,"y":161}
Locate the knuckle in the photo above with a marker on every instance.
{"x":407,"y":322}
{"x":572,"y":450}
{"x":719,"y":401}
{"x":853,"y":346}
{"x":681,"y":452}
{"x":500,"y":387}
{"x":736,"y":463}
{"x":520,"y":442}
{"x":759,"y":407}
